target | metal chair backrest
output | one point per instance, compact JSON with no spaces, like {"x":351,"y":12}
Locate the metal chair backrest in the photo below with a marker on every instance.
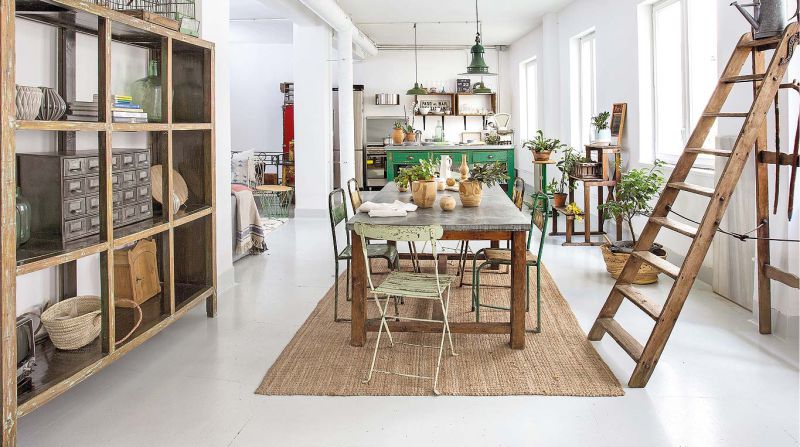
{"x":411,"y":233}
{"x":518,"y":193}
{"x":539,"y":217}
{"x":355,"y":194}
{"x":337,"y":210}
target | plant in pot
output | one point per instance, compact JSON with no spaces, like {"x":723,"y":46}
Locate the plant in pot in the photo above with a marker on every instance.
{"x":634,"y":193}
{"x":397,"y":134}
{"x":402,"y":179}
{"x":471,"y":190}
{"x":602,"y":133}
{"x":542,"y":147}
{"x":410,"y":135}
{"x":559,"y":187}
{"x":423,"y":186}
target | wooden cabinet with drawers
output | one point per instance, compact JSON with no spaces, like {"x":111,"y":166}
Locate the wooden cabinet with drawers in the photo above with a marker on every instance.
{"x":71,"y":210}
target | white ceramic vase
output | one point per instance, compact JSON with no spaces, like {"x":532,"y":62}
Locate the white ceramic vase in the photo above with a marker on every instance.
{"x":28,"y":102}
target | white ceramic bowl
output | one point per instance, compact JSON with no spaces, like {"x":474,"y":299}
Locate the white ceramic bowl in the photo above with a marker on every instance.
{"x":424,"y":110}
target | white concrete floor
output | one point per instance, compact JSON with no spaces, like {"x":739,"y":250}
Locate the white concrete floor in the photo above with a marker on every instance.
{"x":719,"y":382}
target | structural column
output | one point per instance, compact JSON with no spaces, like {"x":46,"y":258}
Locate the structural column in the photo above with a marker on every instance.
{"x":344,"y":43}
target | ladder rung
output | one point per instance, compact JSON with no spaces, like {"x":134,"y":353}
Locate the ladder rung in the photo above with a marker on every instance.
{"x":769,"y":41}
{"x":625,"y":340}
{"x":744,"y":78}
{"x":674,"y":225}
{"x":695,"y":189}
{"x":637,"y":297}
{"x":726,"y":115}
{"x":714,"y":152}
{"x":659,"y":263}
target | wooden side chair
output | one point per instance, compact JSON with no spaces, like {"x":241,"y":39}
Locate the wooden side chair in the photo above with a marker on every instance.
{"x":337,"y":209}
{"x":412,"y":285}
{"x":354,"y":190}
{"x":517,"y":196}
{"x":502,"y":256}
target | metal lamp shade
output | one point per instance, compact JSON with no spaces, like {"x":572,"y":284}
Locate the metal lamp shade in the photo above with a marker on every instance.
{"x":478,"y":65}
{"x":481,"y":89}
{"x":416,"y":90}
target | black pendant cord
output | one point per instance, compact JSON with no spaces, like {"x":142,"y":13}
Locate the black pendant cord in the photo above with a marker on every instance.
{"x":416,"y":61}
{"x":742,"y":237}
{"x":477,"y":21}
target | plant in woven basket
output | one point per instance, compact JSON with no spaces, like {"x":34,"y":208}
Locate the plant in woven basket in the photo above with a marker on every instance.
{"x":632,"y":198}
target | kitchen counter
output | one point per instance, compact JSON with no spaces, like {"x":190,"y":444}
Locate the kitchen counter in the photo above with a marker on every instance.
{"x":451,"y":147}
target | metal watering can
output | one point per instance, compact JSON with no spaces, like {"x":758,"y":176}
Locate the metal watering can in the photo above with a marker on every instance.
{"x":770,"y":17}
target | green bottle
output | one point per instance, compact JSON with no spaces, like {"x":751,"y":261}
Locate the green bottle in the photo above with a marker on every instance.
{"x":146,"y":92}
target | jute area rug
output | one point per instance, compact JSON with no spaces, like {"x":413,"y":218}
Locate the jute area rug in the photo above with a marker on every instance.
{"x":559,"y":361}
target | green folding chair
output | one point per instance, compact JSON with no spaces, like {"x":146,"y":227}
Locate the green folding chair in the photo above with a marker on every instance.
{"x":412,"y":285}
{"x":337,"y":209}
{"x":502,"y":256}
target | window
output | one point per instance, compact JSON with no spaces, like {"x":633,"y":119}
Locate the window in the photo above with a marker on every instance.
{"x":683,"y":73}
{"x":528,"y":79}
{"x":587,"y":99}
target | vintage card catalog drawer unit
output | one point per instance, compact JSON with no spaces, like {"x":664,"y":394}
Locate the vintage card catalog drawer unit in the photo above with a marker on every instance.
{"x":64,"y":191}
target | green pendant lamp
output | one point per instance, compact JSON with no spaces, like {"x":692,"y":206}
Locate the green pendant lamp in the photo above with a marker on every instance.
{"x":478,"y":65}
{"x":417,"y":90}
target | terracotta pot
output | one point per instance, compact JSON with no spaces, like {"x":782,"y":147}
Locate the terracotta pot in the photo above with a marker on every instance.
{"x":471,"y":193}
{"x":541,"y":156}
{"x":424,"y":193}
{"x":447,"y":203}
{"x":559,"y":199}
{"x":411,"y":137}
{"x":398,"y":136}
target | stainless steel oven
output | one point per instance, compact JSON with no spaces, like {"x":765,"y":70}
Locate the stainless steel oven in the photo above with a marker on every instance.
{"x":375,"y":167}
{"x":377,"y":130}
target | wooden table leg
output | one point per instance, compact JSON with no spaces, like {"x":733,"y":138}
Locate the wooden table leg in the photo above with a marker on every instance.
{"x":587,"y":219}
{"x":358,"y":328}
{"x":518,"y":249}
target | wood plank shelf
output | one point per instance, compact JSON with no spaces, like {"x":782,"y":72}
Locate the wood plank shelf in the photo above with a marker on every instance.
{"x":182,"y":142}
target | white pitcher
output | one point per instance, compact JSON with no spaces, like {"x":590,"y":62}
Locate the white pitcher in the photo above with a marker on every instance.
{"x":445,"y":165}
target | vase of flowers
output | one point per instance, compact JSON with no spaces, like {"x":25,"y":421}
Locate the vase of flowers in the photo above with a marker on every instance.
{"x":471,"y":191}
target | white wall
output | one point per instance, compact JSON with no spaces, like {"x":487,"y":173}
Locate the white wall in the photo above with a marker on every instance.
{"x":256,"y":100}
{"x":615,"y":26}
{"x":392,"y":71}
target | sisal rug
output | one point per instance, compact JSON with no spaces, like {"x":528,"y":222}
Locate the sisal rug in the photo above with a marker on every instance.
{"x":559,"y":361}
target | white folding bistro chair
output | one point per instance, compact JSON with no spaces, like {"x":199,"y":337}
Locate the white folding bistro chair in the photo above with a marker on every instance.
{"x":425,"y":286}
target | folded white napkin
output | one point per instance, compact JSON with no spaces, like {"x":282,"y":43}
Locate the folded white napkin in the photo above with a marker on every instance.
{"x":397,"y":205}
{"x":388,"y":213}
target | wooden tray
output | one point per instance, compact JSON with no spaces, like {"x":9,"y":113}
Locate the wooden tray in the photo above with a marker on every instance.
{"x":156,"y":19}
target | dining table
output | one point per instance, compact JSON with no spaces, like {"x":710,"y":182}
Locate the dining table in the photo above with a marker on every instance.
{"x":495,"y":219}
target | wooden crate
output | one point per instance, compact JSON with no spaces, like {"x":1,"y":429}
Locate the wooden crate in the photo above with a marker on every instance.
{"x":136,"y":273}
{"x":586,"y":170}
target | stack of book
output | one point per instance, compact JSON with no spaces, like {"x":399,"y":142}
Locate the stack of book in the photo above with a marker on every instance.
{"x":123,"y":110}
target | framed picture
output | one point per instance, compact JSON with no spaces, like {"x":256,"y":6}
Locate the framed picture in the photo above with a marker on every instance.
{"x":463,"y":85}
{"x":618,"y":112}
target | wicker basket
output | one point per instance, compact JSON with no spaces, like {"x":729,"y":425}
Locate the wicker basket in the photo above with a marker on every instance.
{"x":586,"y":170}
{"x":616,"y":261}
{"x":74,"y":322}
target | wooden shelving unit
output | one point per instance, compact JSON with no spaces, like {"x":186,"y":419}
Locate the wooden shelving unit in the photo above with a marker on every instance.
{"x":183,"y":141}
{"x":455,"y":104}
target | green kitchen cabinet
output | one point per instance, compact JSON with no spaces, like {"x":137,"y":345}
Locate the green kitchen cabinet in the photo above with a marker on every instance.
{"x":398,"y":157}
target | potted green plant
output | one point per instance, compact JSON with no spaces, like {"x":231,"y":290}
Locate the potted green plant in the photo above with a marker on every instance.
{"x":542,"y":147}
{"x":633,"y":194}
{"x":602,"y":133}
{"x":402,"y":179}
{"x":423,"y":186}
{"x":471,"y":190}
{"x":397,"y":134}
{"x":559,"y":188}
{"x":410,"y":135}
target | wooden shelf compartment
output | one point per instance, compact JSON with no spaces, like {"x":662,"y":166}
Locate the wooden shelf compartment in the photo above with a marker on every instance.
{"x":190,"y":213}
{"x":192,"y":158}
{"x":39,"y":254}
{"x":192,"y":69}
{"x":193,"y":262}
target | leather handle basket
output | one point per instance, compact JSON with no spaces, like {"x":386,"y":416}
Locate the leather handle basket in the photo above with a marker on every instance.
{"x":76,"y":322}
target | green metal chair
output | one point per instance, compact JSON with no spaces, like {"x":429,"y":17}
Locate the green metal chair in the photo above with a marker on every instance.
{"x":414,"y":285}
{"x":337,"y":209}
{"x":517,"y":196}
{"x":502,"y":256}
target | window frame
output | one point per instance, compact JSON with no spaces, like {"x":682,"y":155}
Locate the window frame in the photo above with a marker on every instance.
{"x":528,"y":131}
{"x":584,"y":128}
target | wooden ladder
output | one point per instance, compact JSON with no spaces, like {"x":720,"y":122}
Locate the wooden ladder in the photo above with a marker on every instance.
{"x":766,"y":84}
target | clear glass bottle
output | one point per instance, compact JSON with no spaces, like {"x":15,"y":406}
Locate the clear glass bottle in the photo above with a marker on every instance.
{"x":146,"y":92}
{"x":23,"y":218}
{"x":439,"y":135}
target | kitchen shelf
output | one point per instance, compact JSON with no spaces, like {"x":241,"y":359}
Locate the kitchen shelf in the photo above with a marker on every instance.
{"x":185,"y":256}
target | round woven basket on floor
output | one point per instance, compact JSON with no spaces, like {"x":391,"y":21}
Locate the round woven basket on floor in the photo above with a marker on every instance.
{"x":616,"y":261}
{"x":74,"y":322}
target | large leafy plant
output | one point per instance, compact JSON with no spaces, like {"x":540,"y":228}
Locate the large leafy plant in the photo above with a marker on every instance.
{"x":542,"y":144}
{"x":568,"y":160}
{"x":488,"y":174}
{"x":423,"y":171}
{"x":600,"y":121}
{"x":634,"y":192}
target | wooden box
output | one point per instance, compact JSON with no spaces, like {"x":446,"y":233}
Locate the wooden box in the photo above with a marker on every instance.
{"x":591,"y":170}
{"x":136,"y":273}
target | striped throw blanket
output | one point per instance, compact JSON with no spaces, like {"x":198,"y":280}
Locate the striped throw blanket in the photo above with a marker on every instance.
{"x":250,"y":236}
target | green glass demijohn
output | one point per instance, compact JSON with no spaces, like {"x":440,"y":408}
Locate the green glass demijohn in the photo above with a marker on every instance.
{"x":23,"y":218}
{"x":147,"y":93}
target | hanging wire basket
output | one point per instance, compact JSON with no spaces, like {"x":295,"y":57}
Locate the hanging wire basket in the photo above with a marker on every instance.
{"x":182,"y":11}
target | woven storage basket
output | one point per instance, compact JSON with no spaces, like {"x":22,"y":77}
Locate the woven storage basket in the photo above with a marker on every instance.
{"x":74,"y":322}
{"x":616,"y":261}
{"x":587,"y":170}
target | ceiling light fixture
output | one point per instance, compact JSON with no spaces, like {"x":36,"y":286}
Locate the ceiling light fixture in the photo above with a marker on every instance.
{"x":417,"y":90}
{"x":478,"y":65}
